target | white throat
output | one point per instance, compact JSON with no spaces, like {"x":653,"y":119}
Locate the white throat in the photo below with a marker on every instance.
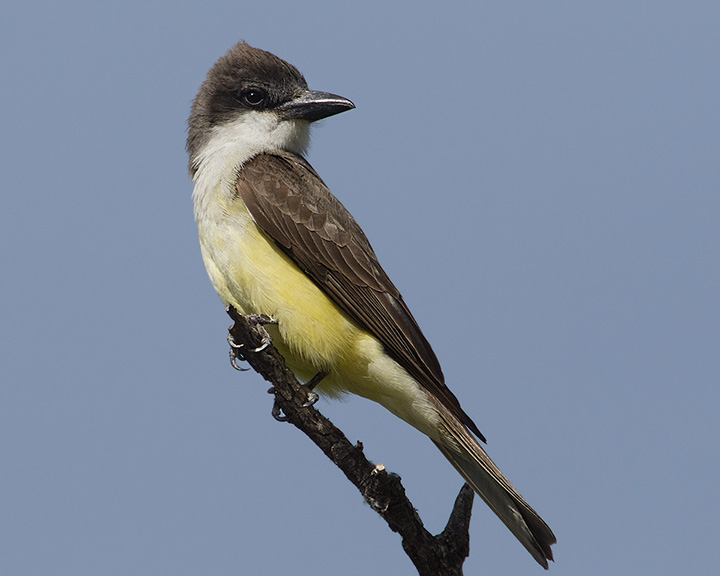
{"x":234,"y":143}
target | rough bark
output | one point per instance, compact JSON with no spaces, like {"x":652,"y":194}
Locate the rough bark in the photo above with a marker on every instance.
{"x":441,"y":555}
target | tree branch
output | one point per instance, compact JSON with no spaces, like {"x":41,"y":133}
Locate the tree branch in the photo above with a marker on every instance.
{"x":441,"y":555}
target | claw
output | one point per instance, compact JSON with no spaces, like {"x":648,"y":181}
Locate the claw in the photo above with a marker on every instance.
{"x":235,"y":354}
{"x":277,"y":413}
{"x":265,"y":344}
{"x":234,"y":364}
{"x":312,"y":398}
{"x":234,"y":357}
{"x":231,"y":341}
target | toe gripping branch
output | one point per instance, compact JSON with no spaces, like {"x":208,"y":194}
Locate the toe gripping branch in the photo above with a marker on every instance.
{"x":236,"y":349}
{"x":312,"y":397}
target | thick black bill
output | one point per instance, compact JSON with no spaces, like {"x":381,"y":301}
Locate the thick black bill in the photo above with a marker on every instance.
{"x":313,"y":105}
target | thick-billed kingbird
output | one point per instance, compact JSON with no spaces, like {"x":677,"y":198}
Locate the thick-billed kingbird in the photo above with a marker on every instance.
{"x":275,"y":241}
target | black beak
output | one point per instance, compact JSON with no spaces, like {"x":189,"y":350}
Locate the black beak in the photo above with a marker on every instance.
{"x":312,"y":105}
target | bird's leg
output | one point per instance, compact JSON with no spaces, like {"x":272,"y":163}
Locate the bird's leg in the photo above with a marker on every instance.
{"x":315,"y":380}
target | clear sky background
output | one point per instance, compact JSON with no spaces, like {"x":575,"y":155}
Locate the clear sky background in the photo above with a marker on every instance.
{"x":540,"y":179}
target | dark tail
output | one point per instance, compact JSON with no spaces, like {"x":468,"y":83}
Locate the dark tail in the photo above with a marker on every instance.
{"x":481,"y":473}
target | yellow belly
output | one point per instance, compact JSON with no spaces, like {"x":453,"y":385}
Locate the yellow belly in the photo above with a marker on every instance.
{"x":251,"y":273}
{"x":312,"y":333}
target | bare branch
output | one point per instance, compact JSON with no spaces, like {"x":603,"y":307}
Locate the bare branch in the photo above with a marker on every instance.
{"x":441,"y":555}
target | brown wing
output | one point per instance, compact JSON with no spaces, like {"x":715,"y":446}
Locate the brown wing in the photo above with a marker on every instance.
{"x":294,"y":207}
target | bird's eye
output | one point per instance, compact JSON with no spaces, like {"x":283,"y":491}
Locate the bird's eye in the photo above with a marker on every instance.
{"x":253,"y":96}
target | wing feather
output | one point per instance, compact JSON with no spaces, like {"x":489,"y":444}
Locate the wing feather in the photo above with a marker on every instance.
{"x":294,"y":207}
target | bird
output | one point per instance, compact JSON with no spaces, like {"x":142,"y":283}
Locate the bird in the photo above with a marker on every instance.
{"x":276,"y":242}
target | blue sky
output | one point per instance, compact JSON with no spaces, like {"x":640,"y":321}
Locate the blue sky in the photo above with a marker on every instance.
{"x":540,"y":180}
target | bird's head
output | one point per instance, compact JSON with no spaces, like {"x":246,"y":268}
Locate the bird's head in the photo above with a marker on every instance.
{"x":252,"y":98}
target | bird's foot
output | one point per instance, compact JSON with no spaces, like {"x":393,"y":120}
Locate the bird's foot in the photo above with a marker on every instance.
{"x":312,"y":397}
{"x":236,"y":353}
{"x":263,"y":320}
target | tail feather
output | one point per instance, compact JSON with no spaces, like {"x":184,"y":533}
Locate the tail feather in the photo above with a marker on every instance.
{"x":485,"y":478}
